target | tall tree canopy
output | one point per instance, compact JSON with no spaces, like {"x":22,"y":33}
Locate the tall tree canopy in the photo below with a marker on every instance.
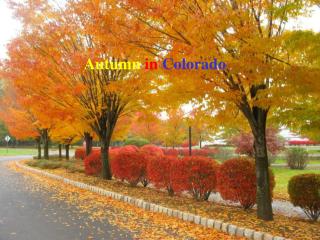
{"x":52,"y":57}
{"x":251,"y":37}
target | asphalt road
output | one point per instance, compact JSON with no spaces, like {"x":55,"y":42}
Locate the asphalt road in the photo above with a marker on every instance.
{"x":26,"y":215}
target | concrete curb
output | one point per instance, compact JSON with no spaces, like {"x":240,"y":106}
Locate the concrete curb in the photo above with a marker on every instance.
{"x":196,"y":219}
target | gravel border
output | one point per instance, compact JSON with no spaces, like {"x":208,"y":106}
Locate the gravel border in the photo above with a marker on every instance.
{"x":185,"y":216}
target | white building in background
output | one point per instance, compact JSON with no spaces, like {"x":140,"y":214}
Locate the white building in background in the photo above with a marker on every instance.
{"x":288,"y":135}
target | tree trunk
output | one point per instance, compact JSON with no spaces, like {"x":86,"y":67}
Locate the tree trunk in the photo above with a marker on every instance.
{"x":190,"y":142}
{"x":106,"y":171}
{"x":170,"y":191}
{"x":257,"y":118}
{"x":104,"y":128}
{"x":45,"y":138}
{"x":67,"y":147}
{"x":88,"y":141}
{"x":264,"y":207}
{"x":38,"y":140}
{"x":200,"y":141}
{"x":264,"y":200}
{"x":60,"y":151}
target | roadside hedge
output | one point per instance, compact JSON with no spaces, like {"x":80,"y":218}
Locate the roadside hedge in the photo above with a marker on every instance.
{"x":235,"y":179}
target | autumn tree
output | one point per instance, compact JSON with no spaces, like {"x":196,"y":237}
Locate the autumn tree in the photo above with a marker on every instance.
{"x":66,"y":132}
{"x":203,"y":127}
{"x":301,"y":112}
{"x":173,"y":129}
{"x":23,"y":76}
{"x":21,"y":123}
{"x":246,"y":35}
{"x":146,"y":125}
{"x":303,"y":116}
{"x":61,"y":42}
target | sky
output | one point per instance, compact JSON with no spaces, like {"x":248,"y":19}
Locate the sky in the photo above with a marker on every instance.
{"x":10,"y":27}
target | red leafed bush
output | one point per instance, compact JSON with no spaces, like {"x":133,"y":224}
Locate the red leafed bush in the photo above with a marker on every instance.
{"x":145,"y":158}
{"x":185,"y":144}
{"x":170,"y":151}
{"x":184,"y":151}
{"x":129,"y":148}
{"x":236,"y":181}
{"x":96,"y":149}
{"x":113,"y":152}
{"x":195,"y":174}
{"x":304,"y":191}
{"x":205,"y":152}
{"x":93,"y":164}
{"x":200,"y":152}
{"x":211,"y":150}
{"x":152,"y":150}
{"x":114,"y":147}
{"x":159,"y":172}
{"x":80,"y":153}
{"x":129,"y":165}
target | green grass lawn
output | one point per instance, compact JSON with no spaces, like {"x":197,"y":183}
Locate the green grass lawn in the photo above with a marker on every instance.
{"x":311,"y":162}
{"x":283,"y":175}
{"x":17,"y":151}
{"x":314,"y":151}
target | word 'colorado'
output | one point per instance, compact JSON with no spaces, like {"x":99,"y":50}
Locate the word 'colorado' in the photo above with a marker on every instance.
{"x":167,"y":64}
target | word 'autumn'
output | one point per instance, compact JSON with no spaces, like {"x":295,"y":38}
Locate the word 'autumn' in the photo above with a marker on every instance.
{"x":167,"y":64}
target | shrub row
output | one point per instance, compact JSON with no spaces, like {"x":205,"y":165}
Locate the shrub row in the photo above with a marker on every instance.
{"x":93,"y":162}
{"x":205,"y":152}
{"x":80,"y":153}
{"x":235,"y":179}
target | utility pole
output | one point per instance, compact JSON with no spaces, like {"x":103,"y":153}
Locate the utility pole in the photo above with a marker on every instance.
{"x":190,"y":142}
